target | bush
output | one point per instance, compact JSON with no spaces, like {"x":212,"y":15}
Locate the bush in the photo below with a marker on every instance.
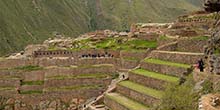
{"x":179,"y":97}
{"x":207,"y":87}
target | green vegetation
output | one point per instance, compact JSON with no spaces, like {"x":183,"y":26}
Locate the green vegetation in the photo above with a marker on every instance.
{"x":124,"y":44}
{"x":180,"y":97}
{"x":81,"y":76}
{"x":217,"y":51}
{"x":161,"y":62}
{"x":156,"y":75}
{"x":28,"y":68}
{"x":201,"y":38}
{"x":32,"y":83}
{"x":76,"y":87}
{"x":32,"y":92}
{"x":142,"y":89}
{"x":163,"y":38}
{"x":32,"y":21}
{"x":129,"y":103}
{"x":10,"y":77}
{"x":207,"y":87}
{"x":6,"y":88}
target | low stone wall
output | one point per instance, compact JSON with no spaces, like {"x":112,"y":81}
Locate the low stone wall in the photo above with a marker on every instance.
{"x":77,"y":71}
{"x":11,"y":63}
{"x":9,"y":74}
{"x":192,"y":45}
{"x":137,"y":55}
{"x":54,"y":62}
{"x":177,"y":57}
{"x":113,"y":104}
{"x":74,"y":82}
{"x":96,"y":61}
{"x":9,"y":82}
{"x":75,"y":54}
{"x":165,"y":69}
{"x":145,"y":99}
{"x":148,"y":36}
{"x":32,"y":88}
{"x":129,"y":64}
{"x":147,"y":81}
{"x":34,"y":75}
{"x":168,"y":47}
{"x":67,"y":95}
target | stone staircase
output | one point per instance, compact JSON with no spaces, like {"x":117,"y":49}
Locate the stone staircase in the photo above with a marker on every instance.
{"x":146,"y":84}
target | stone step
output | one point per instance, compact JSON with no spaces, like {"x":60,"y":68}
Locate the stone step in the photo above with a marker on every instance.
{"x":119,"y":102}
{"x":179,"y":57}
{"x":140,"y":93}
{"x":166,"y":67}
{"x":151,"y":79}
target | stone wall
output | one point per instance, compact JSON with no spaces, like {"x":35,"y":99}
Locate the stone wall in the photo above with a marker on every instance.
{"x":185,"y":58}
{"x":148,"y":36}
{"x":77,"y":71}
{"x":74,"y":54}
{"x":193,"y":45}
{"x":145,"y":99}
{"x":214,"y":63}
{"x":113,"y":104}
{"x":137,"y":55}
{"x":129,"y":64}
{"x":72,"y":82}
{"x":165,"y":69}
{"x":147,"y":81}
{"x":34,"y":75}
{"x":9,"y":82}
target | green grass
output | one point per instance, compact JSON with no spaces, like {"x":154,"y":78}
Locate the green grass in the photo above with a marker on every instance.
{"x":205,"y":38}
{"x":156,"y":75}
{"x":10,"y":77}
{"x":81,"y":76}
{"x":124,"y":101}
{"x":128,"y":45}
{"x":142,"y":89}
{"x":32,"y":83}
{"x":77,"y":87}
{"x":161,"y":62}
{"x":5,"y":88}
{"x":28,"y":68}
{"x":163,"y":38}
{"x":32,"y":92}
{"x":217,"y":52}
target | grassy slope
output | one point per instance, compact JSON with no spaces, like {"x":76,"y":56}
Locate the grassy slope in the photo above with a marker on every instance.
{"x":156,"y":75}
{"x":31,"y":21}
{"x":23,"y":21}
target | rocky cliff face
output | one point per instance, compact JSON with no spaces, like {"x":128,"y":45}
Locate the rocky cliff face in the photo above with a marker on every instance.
{"x":31,"y":21}
{"x":212,"y":5}
{"x":212,"y":51}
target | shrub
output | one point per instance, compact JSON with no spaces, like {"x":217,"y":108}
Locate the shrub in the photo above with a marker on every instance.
{"x":179,"y":97}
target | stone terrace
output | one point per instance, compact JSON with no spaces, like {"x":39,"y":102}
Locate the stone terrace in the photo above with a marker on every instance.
{"x":146,"y":83}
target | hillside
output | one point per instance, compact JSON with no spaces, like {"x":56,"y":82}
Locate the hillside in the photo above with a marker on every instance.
{"x":31,"y":21}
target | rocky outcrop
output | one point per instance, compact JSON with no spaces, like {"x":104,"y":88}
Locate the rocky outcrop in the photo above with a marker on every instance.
{"x":212,"y":52}
{"x":14,"y":104}
{"x":212,"y":5}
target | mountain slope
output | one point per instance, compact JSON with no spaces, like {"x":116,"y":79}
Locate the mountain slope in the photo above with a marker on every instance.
{"x":31,"y":21}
